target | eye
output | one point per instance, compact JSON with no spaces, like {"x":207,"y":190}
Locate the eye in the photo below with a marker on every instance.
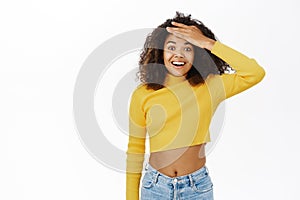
{"x":188,"y":49}
{"x":171,"y":48}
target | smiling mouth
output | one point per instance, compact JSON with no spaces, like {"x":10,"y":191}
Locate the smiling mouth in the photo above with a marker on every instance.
{"x":178,"y":64}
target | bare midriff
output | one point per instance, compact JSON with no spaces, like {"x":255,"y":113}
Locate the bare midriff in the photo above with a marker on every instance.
{"x":179,"y":162}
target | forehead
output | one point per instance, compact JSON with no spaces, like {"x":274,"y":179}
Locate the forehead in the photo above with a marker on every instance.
{"x":175,"y":39}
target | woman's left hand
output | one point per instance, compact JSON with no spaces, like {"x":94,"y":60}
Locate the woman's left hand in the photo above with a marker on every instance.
{"x":191,"y":34}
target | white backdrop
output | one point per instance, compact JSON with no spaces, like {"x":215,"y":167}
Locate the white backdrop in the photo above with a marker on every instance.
{"x":43,"y":45}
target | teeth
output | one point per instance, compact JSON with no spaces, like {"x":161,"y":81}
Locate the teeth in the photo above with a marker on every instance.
{"x":178,"y":63}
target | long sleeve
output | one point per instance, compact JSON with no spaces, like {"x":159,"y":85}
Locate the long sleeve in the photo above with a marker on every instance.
{"x":247,"y":71}
{"x":136,"y":146}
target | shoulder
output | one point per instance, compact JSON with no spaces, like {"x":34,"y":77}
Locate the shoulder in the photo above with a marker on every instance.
{"x":214,"y":81}
{"x":212,"y":78}
{"x":140,"y":91}
{"x":142,"y":87}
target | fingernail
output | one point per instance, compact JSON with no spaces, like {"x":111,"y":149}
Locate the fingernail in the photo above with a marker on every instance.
{"x":169,"y":29}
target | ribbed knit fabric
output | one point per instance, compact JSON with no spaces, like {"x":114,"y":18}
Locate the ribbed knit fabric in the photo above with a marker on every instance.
{"x":179,"y":114}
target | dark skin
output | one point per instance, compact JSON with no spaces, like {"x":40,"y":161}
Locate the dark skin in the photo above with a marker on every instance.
{"x":182,"y":161}
{"x":178,"y":162}
{"x":191,"y":34}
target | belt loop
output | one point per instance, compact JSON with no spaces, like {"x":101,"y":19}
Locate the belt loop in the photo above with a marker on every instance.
{"x":156,"y":177}
{"x":146,"y":166}
{"x":207,"y":170}
{"x":191,"y":180}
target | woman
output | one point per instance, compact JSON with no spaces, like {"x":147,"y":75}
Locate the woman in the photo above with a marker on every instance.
{"x":183,"y":74}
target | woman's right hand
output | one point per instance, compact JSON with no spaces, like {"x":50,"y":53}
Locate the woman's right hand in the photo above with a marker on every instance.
{"x":191,"y":34}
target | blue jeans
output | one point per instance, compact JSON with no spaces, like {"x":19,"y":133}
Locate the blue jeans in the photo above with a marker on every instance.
{"x":194,"y":186}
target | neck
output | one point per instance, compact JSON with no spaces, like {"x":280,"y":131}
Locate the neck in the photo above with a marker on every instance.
{"x":172,"y":80}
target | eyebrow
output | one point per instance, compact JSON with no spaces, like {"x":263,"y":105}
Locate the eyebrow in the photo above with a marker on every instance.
{"x":186,"y":43}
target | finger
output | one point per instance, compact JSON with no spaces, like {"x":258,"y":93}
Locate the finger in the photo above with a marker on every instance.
{"x":179,"y":24}
{"x":174,"y":29}
{"x":180,"y":35}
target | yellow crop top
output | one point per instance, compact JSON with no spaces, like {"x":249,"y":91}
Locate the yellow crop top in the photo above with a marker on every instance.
{"x":179,"y":114}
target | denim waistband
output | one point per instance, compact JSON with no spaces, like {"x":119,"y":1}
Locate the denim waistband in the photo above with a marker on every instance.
{"x":188,"y":178}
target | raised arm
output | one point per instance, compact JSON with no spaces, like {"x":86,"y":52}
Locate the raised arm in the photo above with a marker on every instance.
{"x":247,"y":71}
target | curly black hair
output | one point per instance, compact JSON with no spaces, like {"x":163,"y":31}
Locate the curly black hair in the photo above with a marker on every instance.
{"x":152,"y":71}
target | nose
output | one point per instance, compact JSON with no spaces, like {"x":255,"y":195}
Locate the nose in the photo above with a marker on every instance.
{"x":178,"y":54}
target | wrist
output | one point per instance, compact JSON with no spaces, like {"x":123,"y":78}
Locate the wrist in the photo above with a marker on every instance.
{"x":209,"y":44}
